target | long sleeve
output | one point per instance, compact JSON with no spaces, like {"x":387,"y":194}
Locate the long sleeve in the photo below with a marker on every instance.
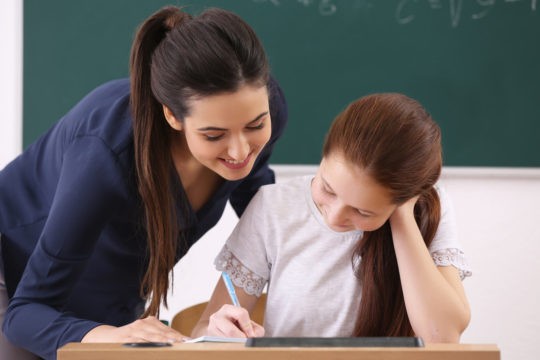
{"x":89,"y":186}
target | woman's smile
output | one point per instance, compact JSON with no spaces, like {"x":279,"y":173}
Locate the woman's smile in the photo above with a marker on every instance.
{"x":234,"y":164}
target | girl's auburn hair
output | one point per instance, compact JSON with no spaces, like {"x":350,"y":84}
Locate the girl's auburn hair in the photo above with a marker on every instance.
{"x":394,"y":140}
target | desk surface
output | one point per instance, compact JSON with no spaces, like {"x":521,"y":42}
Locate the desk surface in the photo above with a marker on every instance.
{"x":230,"y":351}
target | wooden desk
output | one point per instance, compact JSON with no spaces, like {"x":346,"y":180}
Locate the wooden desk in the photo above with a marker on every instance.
{"x":230,"y":351}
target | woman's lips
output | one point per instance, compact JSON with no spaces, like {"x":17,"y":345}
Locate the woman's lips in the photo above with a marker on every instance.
{"x":236,"y":165}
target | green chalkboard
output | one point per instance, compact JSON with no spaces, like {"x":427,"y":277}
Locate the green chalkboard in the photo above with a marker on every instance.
{"x":474,"y":64}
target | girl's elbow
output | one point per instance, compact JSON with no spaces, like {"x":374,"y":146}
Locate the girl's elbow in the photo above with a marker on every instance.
{"x":448,"y":334}
{"x":447,"y":337}
{"x":438,"y":334}
{"x":463,"y":321}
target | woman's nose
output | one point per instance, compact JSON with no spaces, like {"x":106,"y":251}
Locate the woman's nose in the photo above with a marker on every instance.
{"x":238,"y":148}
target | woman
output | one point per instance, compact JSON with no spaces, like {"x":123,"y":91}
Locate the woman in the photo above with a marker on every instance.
{"x":95,"y":213}
{"x":367,"y":247}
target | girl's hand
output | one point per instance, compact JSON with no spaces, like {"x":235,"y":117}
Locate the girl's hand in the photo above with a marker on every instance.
{"x":404,"y":211}
{"x":142,"y":330}
{"x":233,"y":321}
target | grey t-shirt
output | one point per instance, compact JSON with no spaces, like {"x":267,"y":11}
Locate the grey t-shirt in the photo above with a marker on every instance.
{"x":283,"y":241}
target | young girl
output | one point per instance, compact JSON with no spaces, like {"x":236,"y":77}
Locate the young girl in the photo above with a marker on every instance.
{"x":95,"y":213}
{"x":367,"y":247}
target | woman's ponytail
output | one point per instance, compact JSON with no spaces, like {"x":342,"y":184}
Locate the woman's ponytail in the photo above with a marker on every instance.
{"x":152,"y":157}
{"x":166,"y":69}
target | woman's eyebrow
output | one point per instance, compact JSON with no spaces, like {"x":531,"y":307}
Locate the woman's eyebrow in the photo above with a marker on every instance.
{"x":215,"y":128}
{"x":257,"y":118}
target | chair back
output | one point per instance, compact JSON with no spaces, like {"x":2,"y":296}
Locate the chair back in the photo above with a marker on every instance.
{"x":185,"y":320}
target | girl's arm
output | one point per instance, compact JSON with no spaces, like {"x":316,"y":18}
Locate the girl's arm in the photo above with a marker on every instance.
{"x":222,"y":319}
{"x":434,"y":296}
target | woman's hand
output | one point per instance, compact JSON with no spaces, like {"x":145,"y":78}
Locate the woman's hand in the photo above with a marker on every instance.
{"x":233,"y":321}
{"x":142,"y":330}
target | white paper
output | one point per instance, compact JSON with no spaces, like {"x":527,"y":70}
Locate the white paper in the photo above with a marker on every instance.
{"x":216,"y":339}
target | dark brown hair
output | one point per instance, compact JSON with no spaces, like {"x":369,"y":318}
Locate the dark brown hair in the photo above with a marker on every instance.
{"x":174,"y":58}
{"x":397,"y":143}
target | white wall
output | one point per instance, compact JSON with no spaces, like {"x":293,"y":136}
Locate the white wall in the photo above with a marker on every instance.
{"x":496,"y":210}
{"x":11,"y":84}
{"x":498,"y":217}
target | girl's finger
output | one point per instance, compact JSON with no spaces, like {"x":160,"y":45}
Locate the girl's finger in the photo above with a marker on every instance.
{"x":258,"y":330}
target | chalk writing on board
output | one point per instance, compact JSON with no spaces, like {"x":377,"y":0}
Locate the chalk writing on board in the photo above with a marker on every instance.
{"x":405,"y":12}
{"x":324,"y":7}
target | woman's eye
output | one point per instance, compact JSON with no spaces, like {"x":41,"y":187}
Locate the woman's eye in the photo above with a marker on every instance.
{"x":256,"y":127}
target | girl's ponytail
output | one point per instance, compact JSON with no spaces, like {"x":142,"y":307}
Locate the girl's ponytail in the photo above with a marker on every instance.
{"x":382,"y":309}
{"x":427,"y":213}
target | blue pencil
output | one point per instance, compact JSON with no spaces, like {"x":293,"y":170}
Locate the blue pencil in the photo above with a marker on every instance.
{"x":230,"y":288}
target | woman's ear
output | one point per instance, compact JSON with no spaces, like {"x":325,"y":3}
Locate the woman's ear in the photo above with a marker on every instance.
{"x":171,"y":119}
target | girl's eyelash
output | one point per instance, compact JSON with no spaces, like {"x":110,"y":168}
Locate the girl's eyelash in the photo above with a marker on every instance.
{"x":331,"y":193}
{"x":213,"y":138}
{"x":327,"y":191}
{"x":363,"y":214}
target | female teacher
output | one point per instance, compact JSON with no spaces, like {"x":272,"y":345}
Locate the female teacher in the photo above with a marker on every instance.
{"x":95,"y":213}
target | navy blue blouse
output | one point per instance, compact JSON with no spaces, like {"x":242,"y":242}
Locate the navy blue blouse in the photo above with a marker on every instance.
{"x":72,"y":243}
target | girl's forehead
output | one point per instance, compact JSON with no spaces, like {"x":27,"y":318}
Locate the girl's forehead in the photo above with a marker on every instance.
{"x":353,"y":184}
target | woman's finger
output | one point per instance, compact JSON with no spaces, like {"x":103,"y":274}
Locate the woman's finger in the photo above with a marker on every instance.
{"x":151,"y":329}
